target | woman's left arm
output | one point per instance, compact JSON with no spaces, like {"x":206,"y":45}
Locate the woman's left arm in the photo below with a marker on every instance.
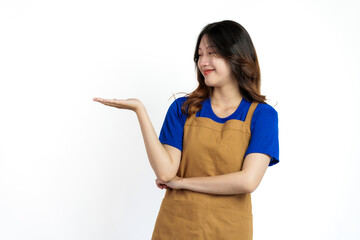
{"x":244,"y":181}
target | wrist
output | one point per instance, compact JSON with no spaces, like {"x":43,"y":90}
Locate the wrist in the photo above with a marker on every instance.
{"x":140,"y":109}
{"x":183,"y":183}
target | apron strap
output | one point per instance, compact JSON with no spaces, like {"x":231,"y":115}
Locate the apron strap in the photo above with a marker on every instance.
{"x":251,"y":112}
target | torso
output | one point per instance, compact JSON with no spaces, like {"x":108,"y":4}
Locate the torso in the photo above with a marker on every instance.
{"x":210,"y":149}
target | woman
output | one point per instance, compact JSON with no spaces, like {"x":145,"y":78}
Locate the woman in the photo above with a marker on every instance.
{"x":215,"y":144}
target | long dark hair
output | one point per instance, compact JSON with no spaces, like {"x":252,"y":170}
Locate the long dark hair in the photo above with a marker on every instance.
{"x":232,"y":42}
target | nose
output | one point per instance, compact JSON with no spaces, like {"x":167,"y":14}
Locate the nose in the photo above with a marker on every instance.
{"x":203,"y":60}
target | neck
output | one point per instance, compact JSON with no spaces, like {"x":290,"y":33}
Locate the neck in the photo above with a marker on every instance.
{"x":226,"y":95}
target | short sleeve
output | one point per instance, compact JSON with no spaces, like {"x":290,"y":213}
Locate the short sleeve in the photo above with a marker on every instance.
{"x":265,"y":134}
{"x":173,"y":127}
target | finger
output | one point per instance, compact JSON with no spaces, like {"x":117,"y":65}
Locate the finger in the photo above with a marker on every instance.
{"x":98,"y":99}
{"x":103,"y":100}
{"x":111,"y":104}
{"x":108,"y":104}
{"x":106,"y":101}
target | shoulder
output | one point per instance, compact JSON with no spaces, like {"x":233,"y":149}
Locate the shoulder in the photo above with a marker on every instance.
{"x":265,"y":117}
{"x":264,"y":110}
{"x":176,"y":104}
{"x":179,"y":101}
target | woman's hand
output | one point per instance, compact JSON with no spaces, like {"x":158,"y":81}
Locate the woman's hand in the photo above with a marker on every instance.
{"x":175,"y":183}
{"x":160,"y":184}
{"x":130,"y":103}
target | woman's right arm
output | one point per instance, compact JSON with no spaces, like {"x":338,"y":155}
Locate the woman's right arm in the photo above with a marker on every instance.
{"x":164,"y":159}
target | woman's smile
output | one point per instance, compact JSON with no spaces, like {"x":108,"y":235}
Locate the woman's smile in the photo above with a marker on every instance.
{"x":206,"y":72}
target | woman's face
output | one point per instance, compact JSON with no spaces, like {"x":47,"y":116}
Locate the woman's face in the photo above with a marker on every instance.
{"x":215,"y":69}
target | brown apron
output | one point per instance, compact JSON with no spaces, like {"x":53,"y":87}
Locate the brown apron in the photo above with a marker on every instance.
{"x":209,"y":149}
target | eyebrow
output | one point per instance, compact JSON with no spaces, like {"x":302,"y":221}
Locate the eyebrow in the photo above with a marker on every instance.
{"x":206,"y":47}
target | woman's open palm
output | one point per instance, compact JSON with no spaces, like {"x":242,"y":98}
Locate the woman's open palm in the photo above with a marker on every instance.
{"x":130,"y":103}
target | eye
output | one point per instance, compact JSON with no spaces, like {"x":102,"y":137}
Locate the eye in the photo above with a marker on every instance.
{"x":210,"y":53}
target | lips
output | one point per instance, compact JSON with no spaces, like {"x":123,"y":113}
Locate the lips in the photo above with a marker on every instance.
{"x":207,"y":71}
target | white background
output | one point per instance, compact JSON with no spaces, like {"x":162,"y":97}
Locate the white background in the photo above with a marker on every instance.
{"x":72,"y":168}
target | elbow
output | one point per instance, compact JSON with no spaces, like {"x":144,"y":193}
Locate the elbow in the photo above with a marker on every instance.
{"x":167,"y":174}
{"x":250,"y":188}
{"x":250,"y":185}
{"x":163,"y":178}
{"x":166,"y":177}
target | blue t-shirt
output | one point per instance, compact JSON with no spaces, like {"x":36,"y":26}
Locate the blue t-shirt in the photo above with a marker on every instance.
{"x":264,"y":126}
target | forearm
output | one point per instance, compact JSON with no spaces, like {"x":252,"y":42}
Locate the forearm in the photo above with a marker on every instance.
{"x":244,"y":181}
{"x":227,"y":184}
{"x":159,"y":158}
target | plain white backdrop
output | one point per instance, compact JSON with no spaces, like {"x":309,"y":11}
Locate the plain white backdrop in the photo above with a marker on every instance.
{"x":72,"y":168}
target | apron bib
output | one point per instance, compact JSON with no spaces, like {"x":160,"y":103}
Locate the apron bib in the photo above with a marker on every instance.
{"x":209,"y":149}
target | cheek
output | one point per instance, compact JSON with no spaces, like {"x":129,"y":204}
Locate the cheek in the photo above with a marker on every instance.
{"x":225,"y":68}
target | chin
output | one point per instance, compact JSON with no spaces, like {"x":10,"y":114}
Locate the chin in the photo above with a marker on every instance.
{"x":210,"y":83}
